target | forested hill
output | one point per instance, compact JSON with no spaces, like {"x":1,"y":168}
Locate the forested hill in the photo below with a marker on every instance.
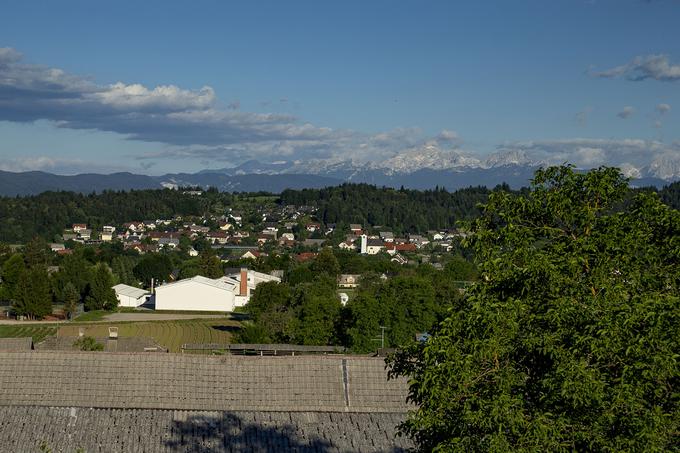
{"x":47,"y":214}
{"x":401,"y":210}
{"x":671,"y":195}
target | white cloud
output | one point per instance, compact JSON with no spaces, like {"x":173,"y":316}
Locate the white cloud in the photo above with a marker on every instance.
{"x":626,"y":112}
{"x":657,"y":67}
{"x":59,"y":165}
{"x":162,"y":98}
{"x":662,"y":109}
{"x":166,"y":114}
{"x":588,"y":153}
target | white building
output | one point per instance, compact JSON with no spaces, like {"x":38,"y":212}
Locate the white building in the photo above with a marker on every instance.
{"x":206,"y":294}
{"x":374,"y":246}
{"x":364,"y":244}
{"x":129,"y":296}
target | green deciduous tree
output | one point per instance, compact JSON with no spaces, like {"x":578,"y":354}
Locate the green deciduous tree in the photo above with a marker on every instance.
{"x":100,"y":293}
{"x":326,"y":263}
{"x":405,"y":306}
{"x":153,"y":265}
{"x":317,"y":313}
{"x":569,"y":341}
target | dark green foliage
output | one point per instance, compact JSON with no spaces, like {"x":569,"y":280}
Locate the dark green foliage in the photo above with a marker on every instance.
{"x":569,"y":341}
{"x":460,"y":269}
{"x":251,"y":333}
{"x":405,"y":306}
{"x":269,"y":308}
{"x":12,"y":270}
{"x":75,"y":270}
{"x":300,"y":274}
{"x":326,"y":264}
{"x":32,"y":296}
{"x":671,"y":195}
{"x":71,"y":300}
{"x":47,"y":214}
{"x":88,"y":344}
{"x":122,"y":268}
{"x":316,"y":307}
{"x":100,"y":294}
{"x":209,"y":264}
{"x":402,"y":210}
{"x":37,"y":252}
{"x":153,"y":265}
{"x":310,"y":314}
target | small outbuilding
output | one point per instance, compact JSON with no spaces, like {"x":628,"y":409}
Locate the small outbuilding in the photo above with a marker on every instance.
{"x":129,"y":296}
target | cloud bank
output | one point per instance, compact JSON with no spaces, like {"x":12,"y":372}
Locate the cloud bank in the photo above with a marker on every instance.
{"x":191,"y":125}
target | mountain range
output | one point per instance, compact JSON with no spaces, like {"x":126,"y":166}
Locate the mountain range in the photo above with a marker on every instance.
{"x":424,"y":169}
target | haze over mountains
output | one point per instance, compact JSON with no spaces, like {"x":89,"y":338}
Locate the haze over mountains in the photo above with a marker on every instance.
{"x":427,"y":168}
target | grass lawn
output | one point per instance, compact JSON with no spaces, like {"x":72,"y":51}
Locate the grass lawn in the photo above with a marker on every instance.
{"x":169,"y":334}
{"x":38,"y":332}
{"x":95,"y":315}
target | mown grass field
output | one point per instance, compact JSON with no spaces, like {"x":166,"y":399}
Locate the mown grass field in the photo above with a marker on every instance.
{"x":38,"y":332}
{"x":169,"y":334}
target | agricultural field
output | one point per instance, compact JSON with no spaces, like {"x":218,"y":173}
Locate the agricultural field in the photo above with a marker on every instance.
{"x":37,"y":332}
{"x":169,"y":334}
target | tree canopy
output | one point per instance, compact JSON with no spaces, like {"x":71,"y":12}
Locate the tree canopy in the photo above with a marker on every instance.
{"x":569,"y":341}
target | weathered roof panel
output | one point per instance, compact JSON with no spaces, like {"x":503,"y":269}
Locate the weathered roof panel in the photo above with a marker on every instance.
{"x":198,"y":382}
{"x":66,"y":429}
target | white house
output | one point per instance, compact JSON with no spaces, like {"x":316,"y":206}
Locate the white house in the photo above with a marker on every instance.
{"x":129,"y":296}
{"x":206,"y":294}
{"x":374,"y":246}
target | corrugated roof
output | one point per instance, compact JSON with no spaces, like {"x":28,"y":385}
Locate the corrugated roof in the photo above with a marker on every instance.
{"x":130,"y":291}
{"x":218,"y":283}
{"x":16,"y":344}
{"x":67,"y":429}
{"x":198,"y":382}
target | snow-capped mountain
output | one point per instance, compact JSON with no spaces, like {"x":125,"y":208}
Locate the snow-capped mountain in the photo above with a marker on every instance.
{"x":666,"y":167}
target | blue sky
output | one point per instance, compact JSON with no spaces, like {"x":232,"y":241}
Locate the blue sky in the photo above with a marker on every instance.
{"x":592,"y":82}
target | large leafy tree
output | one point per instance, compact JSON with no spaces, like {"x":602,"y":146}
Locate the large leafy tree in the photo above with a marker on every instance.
{"x":100,"y":293}
{"x":570,"y":340}
{"x":326,"y":264}
{"x":153,"y":266}
{"x":269,"y":308}
{"x":317,"y":310}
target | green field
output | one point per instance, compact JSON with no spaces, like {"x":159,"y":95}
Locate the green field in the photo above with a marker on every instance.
{"x":38,"y":332}
{"x":169,"y":334}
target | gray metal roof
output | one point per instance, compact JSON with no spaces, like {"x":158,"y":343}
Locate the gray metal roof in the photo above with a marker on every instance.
{"x":66,"y":429}
{"x":200,"y":382}
{"x":130,"y":291}
{"x":16,"y":344}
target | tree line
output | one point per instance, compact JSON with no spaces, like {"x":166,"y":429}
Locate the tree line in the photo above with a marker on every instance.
{"x":48,"y":214}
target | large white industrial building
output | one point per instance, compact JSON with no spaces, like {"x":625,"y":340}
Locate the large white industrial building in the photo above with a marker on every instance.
{"x":206,"y":294}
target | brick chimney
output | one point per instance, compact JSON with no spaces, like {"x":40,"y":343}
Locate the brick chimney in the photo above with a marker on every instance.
{"x":243,"y":288}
